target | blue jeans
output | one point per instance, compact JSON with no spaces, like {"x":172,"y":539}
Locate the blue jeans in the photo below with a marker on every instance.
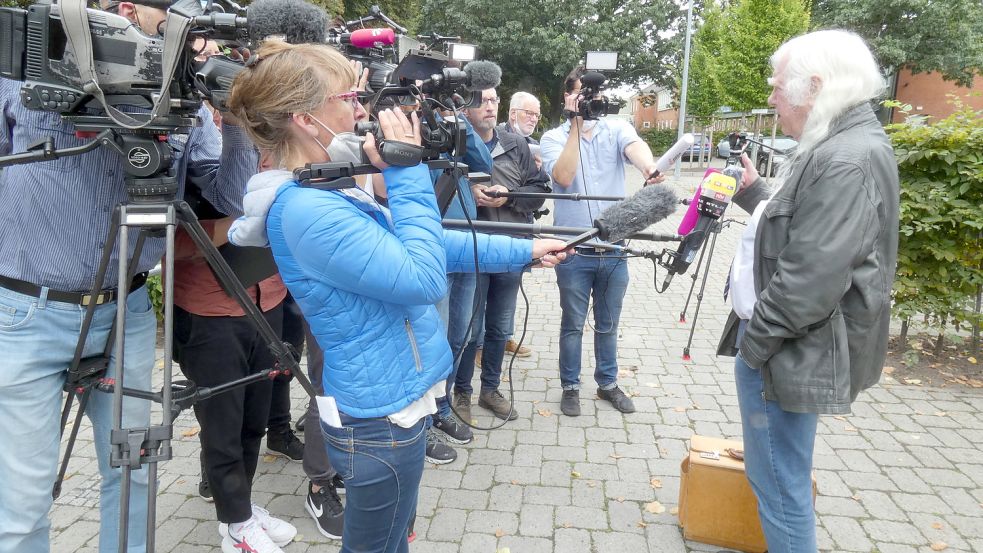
{"x":497,"y":292}
{"x":37,"y":341}
{"x":778,"y":448}
{"x":456,"y":310}
{"x":605,"y":277}
{"x":381,"y":464}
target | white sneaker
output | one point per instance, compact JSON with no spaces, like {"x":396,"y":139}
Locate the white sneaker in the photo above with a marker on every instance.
{"x":250,"y":539}
{"x":280,"y":531}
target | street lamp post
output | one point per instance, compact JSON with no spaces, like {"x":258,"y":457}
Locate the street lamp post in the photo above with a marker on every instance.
{"x":682,"y":96}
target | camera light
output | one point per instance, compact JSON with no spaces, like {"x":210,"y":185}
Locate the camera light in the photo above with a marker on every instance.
{"x":601,"y":61}
{"x":461,"y":52}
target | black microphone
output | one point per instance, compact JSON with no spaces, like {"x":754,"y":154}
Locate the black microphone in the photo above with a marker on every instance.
{"x":296,"y":21}
{"x":592,"y":80}
{"x":716,"y":192}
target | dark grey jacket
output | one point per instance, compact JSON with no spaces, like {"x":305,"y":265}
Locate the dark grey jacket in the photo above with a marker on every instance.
{"x":824,"y":261}
{"x":514,"y":168}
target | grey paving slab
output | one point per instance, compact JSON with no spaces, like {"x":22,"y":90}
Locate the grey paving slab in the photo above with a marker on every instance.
{"x":903,"y":472}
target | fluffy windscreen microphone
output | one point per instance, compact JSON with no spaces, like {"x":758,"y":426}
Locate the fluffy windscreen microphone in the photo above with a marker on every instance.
{"x":592,"y":80}
{"x":482,"y":75}
{"x":296,"y":21}
{"x":635,"y":214}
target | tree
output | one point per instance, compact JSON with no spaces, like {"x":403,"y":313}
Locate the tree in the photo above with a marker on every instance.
{"x":705,"y":95}
{"x":538,"y":42}
{"x":752,"y":31}
{"x":926,"y":35}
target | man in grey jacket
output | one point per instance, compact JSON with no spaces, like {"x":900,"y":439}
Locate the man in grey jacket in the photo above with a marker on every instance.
{"x":811,"y":280}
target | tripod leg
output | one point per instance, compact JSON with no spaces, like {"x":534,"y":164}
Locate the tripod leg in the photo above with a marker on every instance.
{"x":692,"y":286}
{"x":699,"y":297}
{"x":120,"y":324}
{"x":232,"y":285}
{"x":83,"y":400}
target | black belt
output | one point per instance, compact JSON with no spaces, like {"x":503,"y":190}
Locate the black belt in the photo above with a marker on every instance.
{"x":78,"y":298}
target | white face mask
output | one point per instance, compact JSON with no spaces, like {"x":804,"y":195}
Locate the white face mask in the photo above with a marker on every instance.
{"x":518,"y":129}
{"x":344,"y":147}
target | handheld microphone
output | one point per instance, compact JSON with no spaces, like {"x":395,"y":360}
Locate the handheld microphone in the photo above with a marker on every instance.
{"x":715,"y":195}
{"x":295,"y":21}
{"x":365,"y":38}
{"x":669,"y":158}
{"x":645,"y":208}
{"x":691,"y":215}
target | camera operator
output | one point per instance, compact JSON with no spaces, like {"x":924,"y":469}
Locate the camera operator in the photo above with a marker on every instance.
{"x":513,"y":170}
{"x":55,"y":215}
{"x":588,"y":157}
{"x":366,"y":278}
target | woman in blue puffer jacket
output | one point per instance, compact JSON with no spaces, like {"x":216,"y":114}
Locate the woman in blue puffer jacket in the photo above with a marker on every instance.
{"x":366,"y":277}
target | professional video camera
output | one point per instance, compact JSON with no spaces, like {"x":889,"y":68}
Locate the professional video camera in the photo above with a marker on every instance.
{"x":592,"y":104}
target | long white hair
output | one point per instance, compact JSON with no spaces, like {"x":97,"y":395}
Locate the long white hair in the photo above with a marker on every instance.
{"x":847,"y":74}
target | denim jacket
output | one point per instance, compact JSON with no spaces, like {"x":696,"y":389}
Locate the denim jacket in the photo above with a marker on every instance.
{"x":825,"y":254}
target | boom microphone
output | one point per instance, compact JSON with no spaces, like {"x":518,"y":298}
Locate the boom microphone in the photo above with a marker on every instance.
{"x":669,"y":158}
{"x":296,"y":21}
{"x":365,"y":38}
{"x":645,"y":208}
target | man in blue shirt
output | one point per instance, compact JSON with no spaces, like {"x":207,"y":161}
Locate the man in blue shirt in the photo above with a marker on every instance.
{"x":588,"y":157}
{"x":54,"y":217}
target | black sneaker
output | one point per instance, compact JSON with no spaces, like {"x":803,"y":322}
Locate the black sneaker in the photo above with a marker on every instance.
{"x":438,"y":452}
{"x":286,"y":444}
{"x":325,"y":507}
{"x":205,"y":490}
{"x":617,"y":398}
{"x":453,"y":430}
{"x":338,"y":483}
{"x":570,"y":403}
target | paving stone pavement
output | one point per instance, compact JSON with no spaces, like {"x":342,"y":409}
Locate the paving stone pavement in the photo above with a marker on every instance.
{"x":901,"y":474}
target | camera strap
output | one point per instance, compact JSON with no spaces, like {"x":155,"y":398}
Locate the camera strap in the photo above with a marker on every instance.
{"x":75,"y":22}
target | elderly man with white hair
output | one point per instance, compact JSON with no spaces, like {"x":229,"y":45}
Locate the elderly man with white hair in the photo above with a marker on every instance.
{"x":811,"y":280}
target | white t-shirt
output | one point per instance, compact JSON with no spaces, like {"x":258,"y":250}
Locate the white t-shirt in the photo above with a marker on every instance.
{"x":742,"y":294}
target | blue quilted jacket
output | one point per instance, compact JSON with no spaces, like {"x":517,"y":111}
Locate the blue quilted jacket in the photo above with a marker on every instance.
{"x":367,"y":284}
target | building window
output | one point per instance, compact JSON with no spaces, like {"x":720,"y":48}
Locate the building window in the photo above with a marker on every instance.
{"x":646,"y":125}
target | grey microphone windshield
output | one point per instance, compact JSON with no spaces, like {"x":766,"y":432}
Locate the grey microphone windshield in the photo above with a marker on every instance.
{"x":297,"y":21}
{"x":646,"y":207}
{"x":482,"y":75}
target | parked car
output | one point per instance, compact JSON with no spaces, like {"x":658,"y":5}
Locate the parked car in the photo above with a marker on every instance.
{"x":699,"y":142}
{"x":723,"y":148}
{"x":780,"y":152}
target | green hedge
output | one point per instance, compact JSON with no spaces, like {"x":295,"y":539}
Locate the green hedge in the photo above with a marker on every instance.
{"x":659,"y":140}
{"x":940,"y":251}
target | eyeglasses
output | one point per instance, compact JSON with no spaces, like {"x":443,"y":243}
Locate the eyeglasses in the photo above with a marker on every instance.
{"x":490,"y":101}
{"x":531,"y":114}
{"x":351,"y":96}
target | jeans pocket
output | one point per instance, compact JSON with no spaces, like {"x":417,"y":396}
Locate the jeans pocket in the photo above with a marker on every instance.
{"x":341,"y":449}
{"x":15,"y":313}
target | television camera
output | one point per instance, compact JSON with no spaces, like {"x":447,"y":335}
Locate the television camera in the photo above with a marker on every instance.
{"x":593,"y":104}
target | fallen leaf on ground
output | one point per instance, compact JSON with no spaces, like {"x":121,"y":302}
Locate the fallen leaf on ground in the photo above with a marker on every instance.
{"x":655,"y":508}
{"x":619,"y":499}
{"x":913,"y":381}
{"x":941,"y":414}
{"x":971,"y":360}
{"x":939,"y":546}
{"x":656,"y":483}
{"x":652,"y":384}
{"x":615,"y":456}
{"x":545,"y":413}
{"x":674,"y":511}
{"x":888,"y":370}
{"x":937,"y":525}
{"x":514,"y":482}
{"x":504,"y":550}
{"x":855,"y":498}
{"x":642,"y":524}
{"x":566,"y":525}
{"x":575,"y":474}
{"x":191,"y":432}
{"x":839,"y":418}
{"x":499,"y":533}
{"x":269,"y":458}
{"x":679,"y":409}
{"x":849,"y":429}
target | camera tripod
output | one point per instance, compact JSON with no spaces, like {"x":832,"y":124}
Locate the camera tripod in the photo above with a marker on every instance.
{"x":714,"y":230}
{"x":152,"y":209}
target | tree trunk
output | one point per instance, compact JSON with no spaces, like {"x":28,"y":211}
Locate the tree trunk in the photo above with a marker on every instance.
{"x":975,"y":347}
{"x":940,"y":340}
{"x":903,"y":337}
